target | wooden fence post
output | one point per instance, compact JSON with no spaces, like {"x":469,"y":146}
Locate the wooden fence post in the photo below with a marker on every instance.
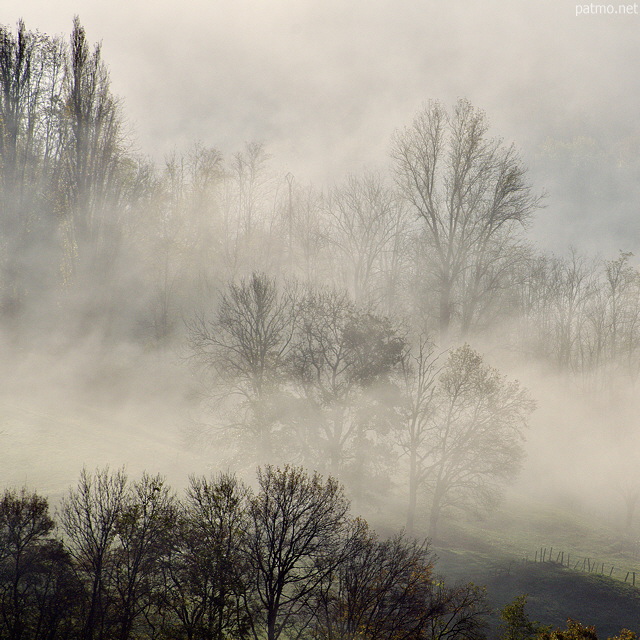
{"x":545,"y":554}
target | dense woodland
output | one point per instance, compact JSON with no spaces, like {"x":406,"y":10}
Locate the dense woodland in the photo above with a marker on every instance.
{"x":339,"y":329}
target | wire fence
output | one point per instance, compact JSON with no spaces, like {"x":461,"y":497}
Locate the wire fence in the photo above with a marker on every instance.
{"x":586,"y":564}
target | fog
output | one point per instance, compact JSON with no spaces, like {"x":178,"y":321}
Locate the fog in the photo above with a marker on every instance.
{"x":324,"y":86}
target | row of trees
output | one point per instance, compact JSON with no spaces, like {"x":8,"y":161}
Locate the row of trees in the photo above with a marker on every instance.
{"x":307,"y":373}
{"x":439,"y":238}
{"x":440,"y":241}
{"x":283,"y":560}
{"x":582,"y":315}
{"x":66,"y":177}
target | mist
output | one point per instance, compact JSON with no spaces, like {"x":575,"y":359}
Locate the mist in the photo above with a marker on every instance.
{"x":258,"y":160}
{"x":324,"y":85}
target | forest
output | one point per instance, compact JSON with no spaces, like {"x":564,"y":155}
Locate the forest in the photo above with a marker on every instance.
{"x":376,"y":344}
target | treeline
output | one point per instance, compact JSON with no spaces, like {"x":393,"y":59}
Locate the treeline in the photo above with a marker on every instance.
{"x":129,"y":559}
{"x":108,"y":241}
{"x":67,"y":181}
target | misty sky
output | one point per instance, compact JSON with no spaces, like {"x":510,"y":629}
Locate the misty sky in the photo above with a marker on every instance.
{"x":324,"y":83}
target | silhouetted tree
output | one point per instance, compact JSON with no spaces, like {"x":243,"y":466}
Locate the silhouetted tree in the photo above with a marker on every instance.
{"x":462,"y":611}
{"x":31,"y":73}
{"x":386,"y":589}
{"x":420,"y":367}
{"x":295,"y":536}
{"x":381,"y":589}
{"x":343,"y":362}
{"x":472,"y":195}
{"x":25,"y":527}
{"x":204,"y":572}
{"x":93,"y":152}
{"x":144,"y":531}
{"x":90,"y":515}
{"x":364,"y":218}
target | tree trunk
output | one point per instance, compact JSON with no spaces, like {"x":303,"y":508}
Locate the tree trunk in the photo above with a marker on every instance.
{"x":335,"y":442}
{"x":413,"y":491}
{"x":271,"y":625}
{"x":434,"y":513}
{"x":445,"y":310}
{"x":434,"y":517}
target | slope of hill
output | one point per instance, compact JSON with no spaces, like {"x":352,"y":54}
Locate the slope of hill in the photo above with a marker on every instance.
{"x":503,"y":553}
{"x":45,"y":443}
{"x":44,"y":446}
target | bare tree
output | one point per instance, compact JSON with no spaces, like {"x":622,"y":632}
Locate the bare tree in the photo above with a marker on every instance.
{"x":31,"y":71}
{"x":613,"y":321}
{"x":472,"y":195}
{"x":203,"y":572}
{"x":573,"y":283}
{"x":246,"y":344}
{"x":364,"y":218}
{"x":557,"y":299}
{"x":304,"y":224}
{"x":88,"y":191}
{"x":387,"y":589}
{"x":18,"y":106}
{"x":250,"y":208}
{"x":25,"y":535}
{"x":248,"y":167}
{"x":382,"y":589}
{"x":475,"y":436}
{"x":90,"y":516}
{"x":420,"y":368}
{"x":183,"y":235}
{"x":295,"y":538}
{"x":143,"y":533}
{"x":462,"y":611}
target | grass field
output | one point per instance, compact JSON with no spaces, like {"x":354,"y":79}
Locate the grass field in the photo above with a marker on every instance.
{"x":499,"y":552}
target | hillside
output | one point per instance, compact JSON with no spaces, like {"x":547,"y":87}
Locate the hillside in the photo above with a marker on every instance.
{"x":45,"y":445}
{"x":46,"y":448}
{"x":500,"y":553}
